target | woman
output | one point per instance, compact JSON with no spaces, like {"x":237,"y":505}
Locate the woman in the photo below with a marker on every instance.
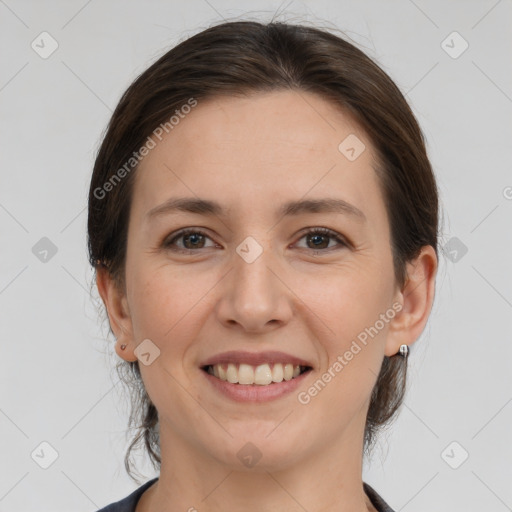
{"x":263,"y":223}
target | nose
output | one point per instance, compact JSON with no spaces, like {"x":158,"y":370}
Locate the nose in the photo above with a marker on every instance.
{"x":254,"y":295}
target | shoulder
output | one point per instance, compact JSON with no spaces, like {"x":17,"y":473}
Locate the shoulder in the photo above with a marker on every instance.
{"x":128,"y":504}
{"x":377,"y":501}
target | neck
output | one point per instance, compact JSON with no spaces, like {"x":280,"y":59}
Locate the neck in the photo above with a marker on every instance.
{"x":326,"y":480}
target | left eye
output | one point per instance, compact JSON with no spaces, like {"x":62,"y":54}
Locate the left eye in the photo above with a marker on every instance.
{"x":317,"y":234}
{"x":195,"y":239}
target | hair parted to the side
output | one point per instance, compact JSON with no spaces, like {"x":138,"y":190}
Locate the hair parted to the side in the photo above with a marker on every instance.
{"x":241,"y":58}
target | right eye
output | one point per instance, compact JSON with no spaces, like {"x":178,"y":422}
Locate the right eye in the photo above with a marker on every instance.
{"x":194,"y":238}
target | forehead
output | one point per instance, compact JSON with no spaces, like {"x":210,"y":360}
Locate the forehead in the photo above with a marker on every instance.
{"x":266,"y":144}
{"x":288,"y":122}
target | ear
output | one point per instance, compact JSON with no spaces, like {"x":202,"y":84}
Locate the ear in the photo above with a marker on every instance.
{"x":118,"y":313}
{"x":416,"y":297}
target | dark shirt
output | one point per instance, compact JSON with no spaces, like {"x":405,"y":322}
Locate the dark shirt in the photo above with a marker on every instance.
{"x":128,"y":504}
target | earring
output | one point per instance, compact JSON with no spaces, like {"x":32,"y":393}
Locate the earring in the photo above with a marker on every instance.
{"x":404,"y":351}
{"x":123,"y":347}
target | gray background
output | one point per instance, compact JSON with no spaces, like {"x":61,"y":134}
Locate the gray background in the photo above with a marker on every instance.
{"x":56,"y":380}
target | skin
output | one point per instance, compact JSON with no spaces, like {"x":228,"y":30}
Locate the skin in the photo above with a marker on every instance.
{"x":252,"y":154}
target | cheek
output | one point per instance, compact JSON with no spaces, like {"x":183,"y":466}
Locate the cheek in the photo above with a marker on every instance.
{"x":349,"y":297}
{"x":158,"y":302}
{"x":350,"y":303}
{"x":168,"y":305}
{"x":351,"y":307}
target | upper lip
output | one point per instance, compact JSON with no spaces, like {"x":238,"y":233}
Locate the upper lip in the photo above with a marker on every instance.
{"x":254,"y":358}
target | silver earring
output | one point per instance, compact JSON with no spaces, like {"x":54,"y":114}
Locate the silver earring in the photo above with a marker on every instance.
{"x":404,"y":351}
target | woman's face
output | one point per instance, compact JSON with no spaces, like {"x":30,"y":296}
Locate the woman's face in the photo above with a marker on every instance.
{"x":251,"y":279}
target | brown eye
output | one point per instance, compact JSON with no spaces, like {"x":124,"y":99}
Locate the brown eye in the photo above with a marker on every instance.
{"x":195,"y":239}
{"x":192,"y":239}
{"x":318,"y":238}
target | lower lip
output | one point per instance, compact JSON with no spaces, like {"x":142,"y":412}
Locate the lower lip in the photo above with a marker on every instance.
{"x":255,"y":392}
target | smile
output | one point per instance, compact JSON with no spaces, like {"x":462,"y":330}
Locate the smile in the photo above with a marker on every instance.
{"x":261,"y":375}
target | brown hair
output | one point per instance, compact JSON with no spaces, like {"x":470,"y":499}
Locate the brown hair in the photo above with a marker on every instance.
{"x":236,"y":58}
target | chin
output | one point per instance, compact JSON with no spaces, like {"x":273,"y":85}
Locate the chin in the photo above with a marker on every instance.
{"x":260,"y":453}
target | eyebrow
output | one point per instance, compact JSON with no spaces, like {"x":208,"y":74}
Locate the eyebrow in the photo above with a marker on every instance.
{"x":291,"y":208}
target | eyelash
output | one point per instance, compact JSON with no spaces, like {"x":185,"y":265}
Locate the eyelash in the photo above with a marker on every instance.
{"x":312,"y":231}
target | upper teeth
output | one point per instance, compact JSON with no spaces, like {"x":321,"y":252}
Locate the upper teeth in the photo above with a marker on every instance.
{"x":248,"y":374}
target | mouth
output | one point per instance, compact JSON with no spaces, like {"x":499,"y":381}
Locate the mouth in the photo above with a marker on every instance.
{"x":266,"y":374}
